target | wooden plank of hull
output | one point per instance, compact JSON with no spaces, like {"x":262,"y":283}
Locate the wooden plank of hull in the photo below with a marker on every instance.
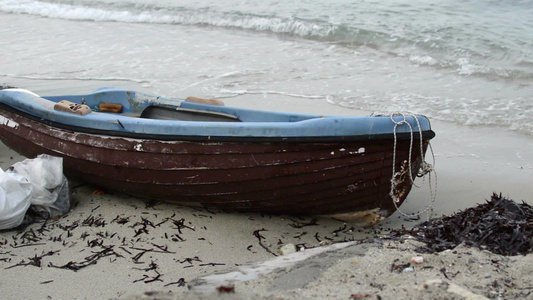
{"x":300,"y":178}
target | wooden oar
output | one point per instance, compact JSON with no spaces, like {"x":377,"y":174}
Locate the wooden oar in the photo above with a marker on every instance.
{"x":205,"y":101}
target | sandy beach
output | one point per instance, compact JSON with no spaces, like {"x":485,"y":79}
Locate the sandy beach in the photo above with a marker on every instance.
{"x":383,"y":269}
{"x":466,"y":65}
{"x":115,"y":246}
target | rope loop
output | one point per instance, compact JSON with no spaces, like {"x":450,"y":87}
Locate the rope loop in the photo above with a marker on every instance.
{"x":424,"y":169}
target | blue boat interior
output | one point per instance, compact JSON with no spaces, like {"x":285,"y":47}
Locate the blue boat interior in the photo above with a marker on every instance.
{"x":142,"y":105}
{"x":129,"y":113}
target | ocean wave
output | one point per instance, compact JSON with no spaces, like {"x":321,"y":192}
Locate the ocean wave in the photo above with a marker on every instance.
{"x":513,"y":114}
{"x":423,"y":60}
{"x":226,"y":93}
{"x":176,"y":15}
{"x":435,"y":48}
{"x":77,"y":77}
{"x":464,"y":66}
{"x":315,"y":29}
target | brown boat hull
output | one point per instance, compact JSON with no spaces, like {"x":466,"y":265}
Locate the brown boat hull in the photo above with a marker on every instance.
{"x":273,"y":177}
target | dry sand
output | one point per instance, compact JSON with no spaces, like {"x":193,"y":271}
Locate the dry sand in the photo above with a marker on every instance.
{"x":124,"y":247}
{"x":382,"y":269}
{"x":143,"y":245}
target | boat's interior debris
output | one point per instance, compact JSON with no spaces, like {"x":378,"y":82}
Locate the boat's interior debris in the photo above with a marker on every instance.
{"x":501,"y":226}
{"x":110,"y":107}
{"x":71,"y":107}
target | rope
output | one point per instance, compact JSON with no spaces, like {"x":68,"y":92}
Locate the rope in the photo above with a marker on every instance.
{"x":424,"y":169}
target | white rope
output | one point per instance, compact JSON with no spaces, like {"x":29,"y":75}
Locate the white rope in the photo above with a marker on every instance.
{"x":425,"y":167}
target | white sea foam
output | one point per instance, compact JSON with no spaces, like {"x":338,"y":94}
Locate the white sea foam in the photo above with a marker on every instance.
{"x":444,"y":69}
{"x":63,"y":11}
{"x":423,"y":60}
{"x":184,"y":17}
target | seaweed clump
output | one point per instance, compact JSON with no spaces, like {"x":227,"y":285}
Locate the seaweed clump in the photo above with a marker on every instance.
{"x":501,"y":226}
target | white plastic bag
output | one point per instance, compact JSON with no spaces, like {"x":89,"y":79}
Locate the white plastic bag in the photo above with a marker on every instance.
{"x":45,"y":173}
{"x":15,"y":199}
{"x":50,"y":191}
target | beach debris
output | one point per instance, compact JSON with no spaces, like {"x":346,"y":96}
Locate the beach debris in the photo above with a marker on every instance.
{"x":300,"y":235}
{"x":359,"y":296}
{"x":93,"y":221}
{"x":399,"y":267}
{"x":226,"y":288}
{"x":257,"y":234}
{"x":121,"y":220}
{"x":89,"y":260}
{"x":445,"y":273}
{"x":35,"y":261}
{"x":33,"y":184}
{"x":46,"y":282}
{"x":324,"y":243}
{"x":455,"y":290}
{"x":501,"y":226}
{"x":50,"y":188}
{"x":160,"y":249}
{"x":152,"y":267}
{"x":297,"y":224}
{"x":148,"y":279}
{"x":287,"y":249}
{"x":15,"y":199}
{"x":190,"y":261}
{"x":140,"y":237}
{"x":212,"y":264}
{"x":180,"y":282}
{"x":417,"y":259}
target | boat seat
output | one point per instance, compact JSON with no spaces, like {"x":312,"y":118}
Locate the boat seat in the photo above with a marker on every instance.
{"x":183,"y":114}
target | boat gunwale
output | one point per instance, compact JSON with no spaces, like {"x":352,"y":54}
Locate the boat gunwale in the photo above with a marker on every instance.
{"x":426,"y":134}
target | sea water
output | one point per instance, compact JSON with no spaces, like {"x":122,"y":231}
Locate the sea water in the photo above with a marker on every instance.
{"x":465,"y":64}
{"x":468,"y":62}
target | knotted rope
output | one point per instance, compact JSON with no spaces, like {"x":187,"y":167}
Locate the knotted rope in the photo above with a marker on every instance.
{"x":424,"y":169}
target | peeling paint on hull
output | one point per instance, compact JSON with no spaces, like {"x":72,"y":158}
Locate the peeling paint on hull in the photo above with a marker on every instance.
{"x":331,"y":178}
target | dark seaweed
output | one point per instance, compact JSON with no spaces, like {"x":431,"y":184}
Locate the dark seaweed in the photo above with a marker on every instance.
{"x":257,"y":234}
{"x":35,"y":261}
{"x":501,"y":226}
{"x":180,"y":282}
{"x":89,"y":260}
{"x":297,"y":224}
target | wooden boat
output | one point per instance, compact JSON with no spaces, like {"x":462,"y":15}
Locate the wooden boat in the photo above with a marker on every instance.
{"x":217,"y":156}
